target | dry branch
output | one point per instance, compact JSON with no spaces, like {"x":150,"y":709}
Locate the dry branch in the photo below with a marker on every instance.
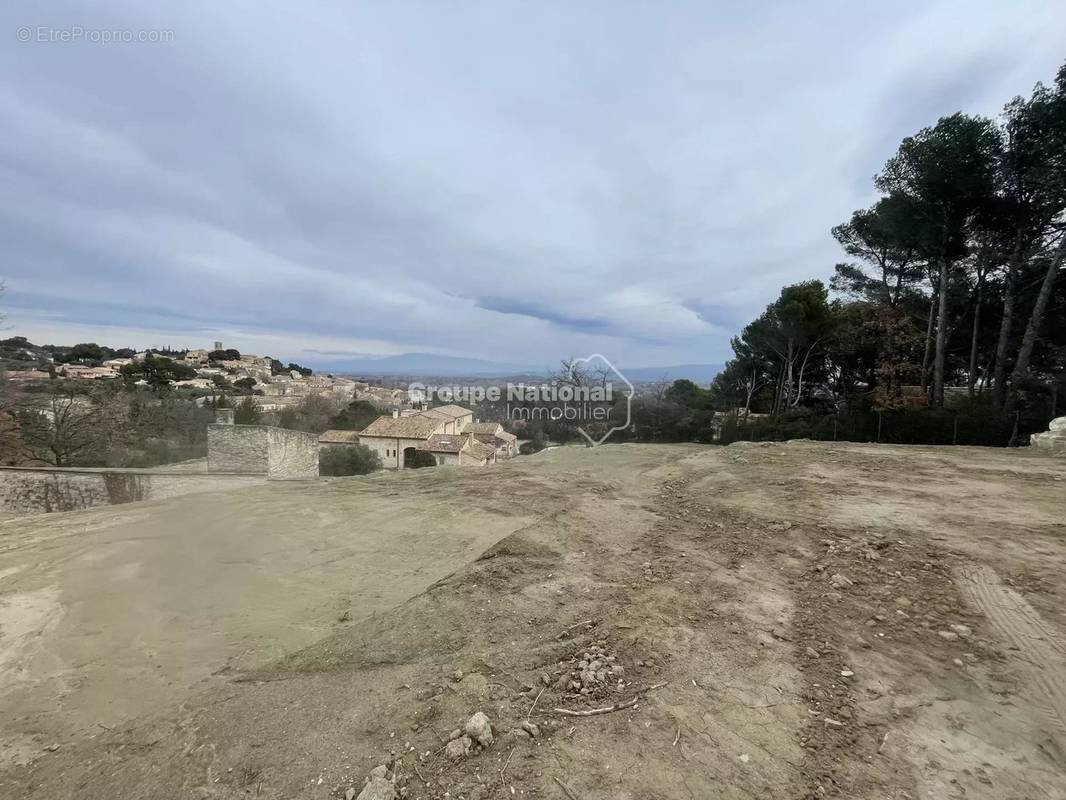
{"x":566,"y":789}
{"x":592,"y":712}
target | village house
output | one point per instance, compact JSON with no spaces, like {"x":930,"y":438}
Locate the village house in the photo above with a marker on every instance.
{"x":504,"y":444}
{"x":442,"y":432}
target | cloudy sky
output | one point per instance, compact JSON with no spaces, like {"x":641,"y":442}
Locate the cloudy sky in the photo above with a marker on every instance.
{"x":516,"y":182}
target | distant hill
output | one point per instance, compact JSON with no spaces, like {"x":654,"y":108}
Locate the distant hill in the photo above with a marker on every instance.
{"x":431,"y":365}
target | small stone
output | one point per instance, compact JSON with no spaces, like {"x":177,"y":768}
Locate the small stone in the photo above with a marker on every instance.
{"x":479,"y":728}
{"x":962,"y":630}
{"x":839,"y":581}
{"x":530,"y":728}
{"x":948,"y":636}
{"x":455,"y":734}
{"x":458,"y":748}
{"x":903,"y":601}
{"x":457,"y":675}
{"x":958,"y":663}
{"x":349,"y":793}
{"x":833,"y":723}
{"x":847,"y":673}
{"x":812,"y":653}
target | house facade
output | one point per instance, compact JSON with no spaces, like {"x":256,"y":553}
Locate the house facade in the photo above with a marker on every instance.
{"x":443,"y":432}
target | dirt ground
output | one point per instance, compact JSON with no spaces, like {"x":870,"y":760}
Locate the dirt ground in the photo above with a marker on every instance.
{"x":775,"y":621}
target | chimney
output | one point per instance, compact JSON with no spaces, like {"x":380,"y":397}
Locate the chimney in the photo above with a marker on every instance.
{"x":396,"y":413}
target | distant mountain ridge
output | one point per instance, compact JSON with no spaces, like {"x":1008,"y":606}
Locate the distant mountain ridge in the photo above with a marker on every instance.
{"x":432,"y":365}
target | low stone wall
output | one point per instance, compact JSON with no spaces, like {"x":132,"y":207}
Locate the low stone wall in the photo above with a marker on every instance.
{"x":1052,"y":441}
{"x":236,"y":448}
{"x":291,"y":454}
{"x":36,"y":490}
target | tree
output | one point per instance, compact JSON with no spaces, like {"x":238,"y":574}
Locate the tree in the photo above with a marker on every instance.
{"x":356,"y":416}
{"x":246,"y":383}
{"x":357,"y":459}
{"x":247,"y":412}
{"x":947,"y":175}
{"x":228,"y":354}
{"x":65,"y":427}
{"x":1037,"y":178}
{"x":157,"y":371}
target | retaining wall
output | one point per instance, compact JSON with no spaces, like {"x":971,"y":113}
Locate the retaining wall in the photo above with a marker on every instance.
{"x":236,"y":448}
{"x":35,"y":490}
{"x":291,"y":454}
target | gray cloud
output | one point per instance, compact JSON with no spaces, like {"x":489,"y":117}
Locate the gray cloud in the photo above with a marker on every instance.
{"x":512,"y":182}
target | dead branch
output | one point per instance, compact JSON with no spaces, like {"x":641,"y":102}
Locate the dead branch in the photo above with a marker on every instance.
{"x":592,"y":712}
{"x":535,"y":701}
{"x":575,"y":625}
{"x":566,"y":789}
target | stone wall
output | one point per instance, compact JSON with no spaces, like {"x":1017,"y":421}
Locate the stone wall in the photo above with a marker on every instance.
{"x":237,"y":448}
{"x":32,"y":490}
{"x":291,"y":454}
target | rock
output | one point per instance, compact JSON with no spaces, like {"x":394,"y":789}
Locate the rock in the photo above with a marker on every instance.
{"x":847,"y":673}
{"x":457,"y":675}
{"x":349,"y":794}
{"x":378,"y":786}
{"x":455,"y":734}
{"x":458,"y":748}
{"x":811,"y":652}
{"x":545,"y":678}
{"x":903,"y":601}
{"x":958,"y":663}
{"x":530,"y":728}
{"x":479,"y":728}
{"x":962,"y":630}
{"x":948,"y":636}
{"x":838,"y":581}
{"x":518,"y":733}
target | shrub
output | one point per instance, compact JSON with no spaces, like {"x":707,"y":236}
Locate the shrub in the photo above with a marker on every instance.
{"x":349,"y":459}
{"x":247,"y":412}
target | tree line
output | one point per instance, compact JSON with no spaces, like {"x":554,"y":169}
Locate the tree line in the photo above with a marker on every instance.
{"x":951,"y":290}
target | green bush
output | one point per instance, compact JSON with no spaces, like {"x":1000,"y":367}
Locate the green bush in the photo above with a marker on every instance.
{"x":349,"y":459}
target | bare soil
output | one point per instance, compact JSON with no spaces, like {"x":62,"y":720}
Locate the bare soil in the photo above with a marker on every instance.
{"x":792,"y":620}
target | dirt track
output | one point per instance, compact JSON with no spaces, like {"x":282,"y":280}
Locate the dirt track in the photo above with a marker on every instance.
{"x":839,"y":621}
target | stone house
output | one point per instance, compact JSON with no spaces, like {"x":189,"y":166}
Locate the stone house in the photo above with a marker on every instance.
{"x":442,"y":432}
{"x":504,"y":444}
{"x":449,"y":449}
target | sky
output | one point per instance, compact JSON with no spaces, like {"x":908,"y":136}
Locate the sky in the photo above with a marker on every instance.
{"x":517,"y":182}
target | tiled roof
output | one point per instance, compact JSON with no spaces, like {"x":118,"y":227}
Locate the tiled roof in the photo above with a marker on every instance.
{"x":416,"y":427}
{"x":482,"y":427}
{"x":443,"y":443}
{"x":453,"y":411}
{"x":339,"y":437}
{"x":480,"y":450}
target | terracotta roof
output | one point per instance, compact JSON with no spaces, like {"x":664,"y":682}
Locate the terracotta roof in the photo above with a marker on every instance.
{"x":483,"y":427}
{"x":444,"y":443}
{"x":339,"y":437}
{"x":480,"y":450}
{"x":416,"y":427}
{"x":453,"y":411}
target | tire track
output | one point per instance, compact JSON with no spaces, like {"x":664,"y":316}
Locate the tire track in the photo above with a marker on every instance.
{"x":1021,"y":626}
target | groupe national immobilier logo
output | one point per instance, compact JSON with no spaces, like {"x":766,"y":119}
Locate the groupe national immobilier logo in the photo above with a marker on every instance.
{"x":590,"y":393}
